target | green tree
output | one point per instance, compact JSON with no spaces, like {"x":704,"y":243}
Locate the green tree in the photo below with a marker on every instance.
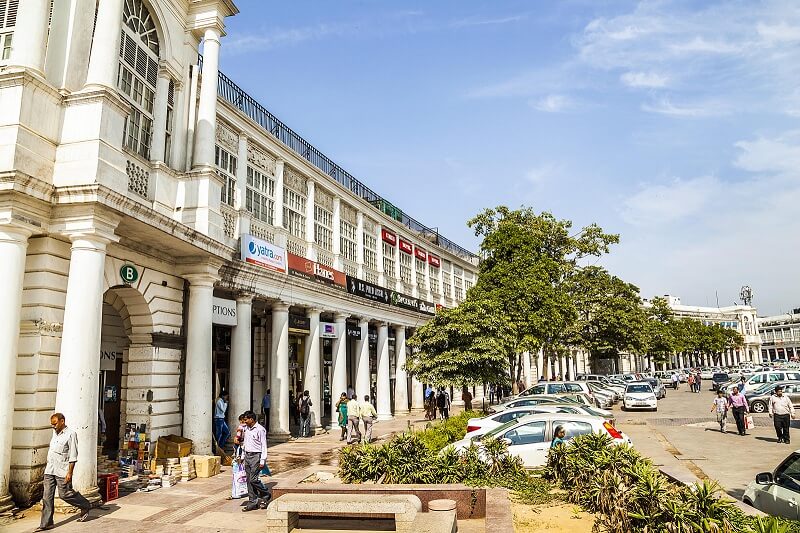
{"x":466,"y":345}
{"x":528,"y":262}
{"x":660,"y":340}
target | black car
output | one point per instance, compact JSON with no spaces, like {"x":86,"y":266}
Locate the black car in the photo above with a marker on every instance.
{"x":718,"y":379}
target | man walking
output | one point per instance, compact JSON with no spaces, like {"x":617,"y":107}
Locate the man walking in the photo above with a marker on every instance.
{"x":368,"y":415}
{"x":738,"y":404}
{"x":675,"y":380}
{"x":782,"y":411}
{"x":265,"y":403}
{"x":466,"y":397}
{"x":721,"y":407}
{"x":698,"y":382}
{"x":255,"y":457}
{"x":443,"y":403}
{"x":61,"y":459}
{"x":353,"y":417}
{"x":221,"y":430}
{"x":304,"y":407}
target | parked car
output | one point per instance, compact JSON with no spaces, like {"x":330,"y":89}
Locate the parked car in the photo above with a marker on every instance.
{"x":529,"y":437}
{"x":530,"y":402}
{"x":640,"y":395}
{"x":759,"y":379}
{"x":719,"y":378}
{"x":706,"y":373}
{"x":602,"y":395}
{"x":758,"y":399}
{"x":556,"y":387}
{"x":658,"y":387}
{"x":478,"y":426}
{"x":778,"y":492}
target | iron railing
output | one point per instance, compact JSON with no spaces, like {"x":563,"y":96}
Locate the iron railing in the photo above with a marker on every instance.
{"x":245,"y":103}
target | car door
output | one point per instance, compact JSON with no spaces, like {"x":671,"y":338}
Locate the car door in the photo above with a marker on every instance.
{"x":793,"y":392}
{"x":573,"y":428}
{"x":528,"y":442}
{"x":781,"y":497}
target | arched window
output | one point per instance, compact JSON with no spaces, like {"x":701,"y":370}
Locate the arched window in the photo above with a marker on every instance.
{"x":138,"y":74}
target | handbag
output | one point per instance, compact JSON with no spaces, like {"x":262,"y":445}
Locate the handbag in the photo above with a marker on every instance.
{"x":748,"y":422}
{"x":239,"y":487}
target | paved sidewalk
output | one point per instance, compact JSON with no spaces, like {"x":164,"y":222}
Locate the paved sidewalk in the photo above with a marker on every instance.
{"x":201,"y":505}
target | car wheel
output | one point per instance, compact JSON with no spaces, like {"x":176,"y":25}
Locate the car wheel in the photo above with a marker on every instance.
{"x":758,"y":407}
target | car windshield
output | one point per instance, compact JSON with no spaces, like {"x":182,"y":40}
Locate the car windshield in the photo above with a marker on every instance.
{"x":639,"y":388}
{"x":499,"y":429}
{"x":720,"y":377}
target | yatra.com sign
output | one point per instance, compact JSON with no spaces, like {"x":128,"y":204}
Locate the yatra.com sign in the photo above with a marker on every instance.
{"x":262,"y":253}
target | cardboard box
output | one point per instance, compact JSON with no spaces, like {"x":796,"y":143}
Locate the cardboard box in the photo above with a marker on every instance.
{"x":173,"y":446}
{"x":206,"y":465}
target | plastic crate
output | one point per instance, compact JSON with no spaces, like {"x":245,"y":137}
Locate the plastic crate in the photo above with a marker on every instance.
{"x":109,"y":486}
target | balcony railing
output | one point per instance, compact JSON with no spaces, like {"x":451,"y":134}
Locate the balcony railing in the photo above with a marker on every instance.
{"x":233,"y":94}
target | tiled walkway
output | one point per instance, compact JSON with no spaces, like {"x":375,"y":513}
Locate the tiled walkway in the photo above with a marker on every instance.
{"x":201,"y":505}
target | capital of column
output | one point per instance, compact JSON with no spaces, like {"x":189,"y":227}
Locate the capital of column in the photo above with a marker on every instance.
{"x":340,"y":317}
{"x":91,"y":230}
{"x":280,"y":307}
{"x":13,"y":233}
{"x":201,"y":273}
{"x":311,"y":311}
{"x":244,"y":298}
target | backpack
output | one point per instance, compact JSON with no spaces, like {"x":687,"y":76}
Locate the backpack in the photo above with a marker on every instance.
{"x":305,"y":402}
{"x":440,"y":400}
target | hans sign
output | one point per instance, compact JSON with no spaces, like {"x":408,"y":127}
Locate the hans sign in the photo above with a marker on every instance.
{"x":262,"y":253}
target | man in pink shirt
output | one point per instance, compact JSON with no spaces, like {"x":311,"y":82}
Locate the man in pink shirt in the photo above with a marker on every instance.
{"x":739,"y":406}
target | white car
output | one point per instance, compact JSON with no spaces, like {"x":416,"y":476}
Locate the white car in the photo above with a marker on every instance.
{"x":639,"y":395}
{"x":478,"y":426}
{"x":777,"y":493}
{"x":529,"y":437}
{"x":530,"y":401}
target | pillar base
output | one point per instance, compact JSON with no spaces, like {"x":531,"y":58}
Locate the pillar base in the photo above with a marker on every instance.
{"x":417,"y":409}
{"x":275,"y":436}
{"x":401,"y":413}
{"x":385,"y":417}
{"x":92,"y":494}
{"x":7,"y":504}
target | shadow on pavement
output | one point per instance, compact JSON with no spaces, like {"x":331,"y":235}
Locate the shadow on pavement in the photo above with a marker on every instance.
{"x":768,"y":439}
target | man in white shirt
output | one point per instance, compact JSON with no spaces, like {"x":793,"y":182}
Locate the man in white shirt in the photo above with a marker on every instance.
{"x":353,"y":417}
{"x":368,"y":415}
{"x":221,"y":430}
{"x":781,"y":410}
{"x":255,"y":457}
{"x":61,"y":459}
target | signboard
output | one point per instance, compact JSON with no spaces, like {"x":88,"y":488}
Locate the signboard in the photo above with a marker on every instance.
{"x":108,"y":356}
{"x":389,"y":237}
{"x":128,"y":273}
{"x":353,"y":331}
{"x":368,"y":290}
{"x":434,"y":261}
{"x":223,"y":312}
{"x":327,"y":330}
{"x":420,"y":254}
{"x":313,"y":271}
{"x":299,"y":324}
{"x":262,"y":253}
{"x":406,"y":247}
{"x":414,"y":304}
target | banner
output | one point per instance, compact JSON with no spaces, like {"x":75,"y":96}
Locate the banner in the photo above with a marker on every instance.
{"x":353,"y":331}
{"x":313,"y":271}
{"x":406,"y":247}
{"x":299,"y":324}
{"x":368,"y":290}
{"x":328,"y":330}
{"x":262,"y":253}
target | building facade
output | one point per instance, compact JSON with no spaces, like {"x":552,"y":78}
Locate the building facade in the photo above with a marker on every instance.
{"x":164,"y":237}
{"x":780,"y":336}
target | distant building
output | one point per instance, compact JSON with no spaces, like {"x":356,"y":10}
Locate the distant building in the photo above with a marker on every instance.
{"x":780,"y":336}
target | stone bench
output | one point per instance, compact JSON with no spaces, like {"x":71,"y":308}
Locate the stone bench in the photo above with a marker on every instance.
{"x":284,"y":512}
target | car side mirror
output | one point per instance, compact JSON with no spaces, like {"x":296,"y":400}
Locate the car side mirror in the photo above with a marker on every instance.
{"x":508,"y":441}
{"x":764,"y":478}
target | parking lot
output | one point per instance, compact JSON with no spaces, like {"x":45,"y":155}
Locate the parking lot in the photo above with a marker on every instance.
{"x":684,"y":432}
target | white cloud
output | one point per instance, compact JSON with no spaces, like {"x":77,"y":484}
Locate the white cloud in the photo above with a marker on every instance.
{"x":778,"y":33}
{"x":644,"y":79}
{"x":478,"y":21}
{"x":553,"y":103}
{"x":540,"y":174}
{"x":664,"y":106}
{"x":660,"y":204}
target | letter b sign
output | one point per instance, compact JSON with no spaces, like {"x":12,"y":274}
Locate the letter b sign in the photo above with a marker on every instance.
{"x":128,"y":273}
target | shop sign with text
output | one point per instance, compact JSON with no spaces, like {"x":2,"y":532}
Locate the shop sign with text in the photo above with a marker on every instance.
{"x":406,"y":246}
{"x":434,"y":261}
{"x":389,"y":237}
{"x":223,"y":312}
{"x":368,"y":290}
{"x":353,"y":331}
{"x":420,"y":254}
{"x":262,"y":253}
{"x":328,"y":330}
{"x":313,"y":271}
{"x":414,"y":304}
{"x":299,"y":324}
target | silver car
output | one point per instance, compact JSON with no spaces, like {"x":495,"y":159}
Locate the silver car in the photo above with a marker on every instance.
{"x":777,"y":493}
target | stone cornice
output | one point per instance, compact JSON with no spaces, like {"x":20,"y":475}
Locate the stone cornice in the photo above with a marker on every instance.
{"x":97,"y":94}
{"x":12,"y":77}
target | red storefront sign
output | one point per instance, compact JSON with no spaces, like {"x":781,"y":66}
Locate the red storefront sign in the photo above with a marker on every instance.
{"x":406,"y":247}
{"x":388,"y":237}
{"x":311,"y":270}
{"x":434,"y":261}
{"x":420,"y":254}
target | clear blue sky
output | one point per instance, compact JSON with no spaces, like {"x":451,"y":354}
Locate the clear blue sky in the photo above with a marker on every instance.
{"x":673,"y":123}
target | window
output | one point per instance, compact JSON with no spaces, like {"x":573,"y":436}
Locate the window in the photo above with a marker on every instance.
{"x":169,"y":119}
{"x":8,"y":19}
{"x":5,"y":45}
{"x":260,"y":195}
{"x":323,"y":224}
{"x":573,"y":387}
{"x":137,"y":74}
{"x":530,"y":433}
{"x":508,"y":417}
{"x":458,"y":288}
{"x":405,"y":268}
{"x":388,"y":261}
{"x":433,"y":276}
{"x":226,"y":168}
{"x":294,"y":213}
{"x":349,"y":236}
{"x":446,"y":284}
{"x":573,"y":429}
{"x":370,"y":251}
{"x":788,"y":473}
{"x":556,"y":388}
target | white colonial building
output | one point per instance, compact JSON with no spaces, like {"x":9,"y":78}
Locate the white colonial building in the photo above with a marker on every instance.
{"x":163,"y":236}
{"x":780,"y":336}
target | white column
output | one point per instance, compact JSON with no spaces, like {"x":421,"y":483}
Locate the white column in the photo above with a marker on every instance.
{"x":381,"y":273}
{"x":417,"y":394}
{"x":526,"y":369}
{"x":103,"y":58}
{"x":360,"y":244}
{"x":384,"y":383}
{"x":205,"y":131}
{"x":339,"y":362}
{"x":310,"y":220}
{"x":13,"y":245}
{"x":337,"y":233}
{"x":30,"y":35}
{"x":240,"y":382}
{"x":198,"y":390}
{"x":362,"y":362}
{"x":279,"y":193}
{"x":400,"y":374}
{"x":78,"y":364}
{"x":279,"y":372}
{"x":160,"y":117}
{"x":311,"y":372}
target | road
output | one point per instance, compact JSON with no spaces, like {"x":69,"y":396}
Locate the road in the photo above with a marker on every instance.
{"x":684,"y":430}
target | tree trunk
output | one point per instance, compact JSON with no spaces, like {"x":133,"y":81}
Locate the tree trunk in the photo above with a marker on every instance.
{"x":545,"y":363}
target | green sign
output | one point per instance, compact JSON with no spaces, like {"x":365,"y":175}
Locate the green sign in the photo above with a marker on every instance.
{"x":128,"y":273}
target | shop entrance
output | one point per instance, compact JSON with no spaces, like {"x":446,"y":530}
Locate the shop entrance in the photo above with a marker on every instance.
{"x":113,"y":344}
